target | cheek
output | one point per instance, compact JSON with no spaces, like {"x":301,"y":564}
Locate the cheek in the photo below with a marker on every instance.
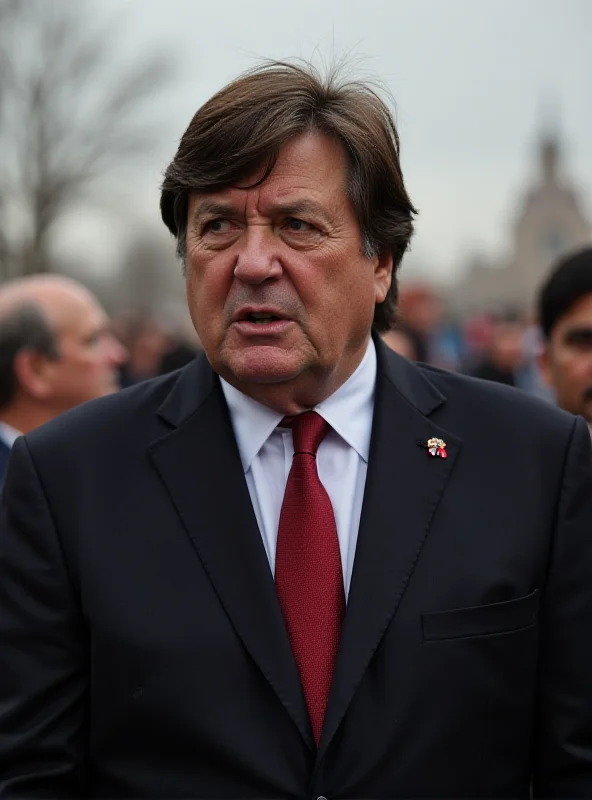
{"x":90,"y":361}
{"x":361,"y":291}
{"x":208,"y":282}
{"x":569,"y":372}
{"x":342,"y":277}
{"x":339,"y":296}
{"x":90,"y":365}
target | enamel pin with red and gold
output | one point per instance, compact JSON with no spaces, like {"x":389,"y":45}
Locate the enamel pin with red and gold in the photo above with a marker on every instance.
{"x":435,"y":447}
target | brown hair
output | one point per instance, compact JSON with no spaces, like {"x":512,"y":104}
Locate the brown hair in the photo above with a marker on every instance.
{"x":244,"y":126}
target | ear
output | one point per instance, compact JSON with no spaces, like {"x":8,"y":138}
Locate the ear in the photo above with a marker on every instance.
{"x":383,"y":274}
{"x":544,"y":364}
{"x":34,"y":373}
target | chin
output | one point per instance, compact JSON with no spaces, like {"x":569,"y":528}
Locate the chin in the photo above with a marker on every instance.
{"x":264,"y":368}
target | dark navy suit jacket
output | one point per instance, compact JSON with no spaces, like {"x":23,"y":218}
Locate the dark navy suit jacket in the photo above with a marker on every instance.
{"x":144,"y":653}
{"x":4,"y":454}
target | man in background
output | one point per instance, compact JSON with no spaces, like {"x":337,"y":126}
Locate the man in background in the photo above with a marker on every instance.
{"x":565,"y":316}
{"x":56,"y":351}
{"x":504,"y":359}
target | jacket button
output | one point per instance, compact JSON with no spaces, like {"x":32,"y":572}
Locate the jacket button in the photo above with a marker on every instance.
{"x":321,"y":797}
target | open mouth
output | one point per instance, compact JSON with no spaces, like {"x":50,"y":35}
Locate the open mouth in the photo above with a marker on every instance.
{"x":262,"y":318}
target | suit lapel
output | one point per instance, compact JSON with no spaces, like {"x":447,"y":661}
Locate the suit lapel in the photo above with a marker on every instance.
{"x":200,"y":465}
{"x":403,"y":486}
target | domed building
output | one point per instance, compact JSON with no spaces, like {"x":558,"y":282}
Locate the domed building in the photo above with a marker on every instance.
{"x":550,"y":222}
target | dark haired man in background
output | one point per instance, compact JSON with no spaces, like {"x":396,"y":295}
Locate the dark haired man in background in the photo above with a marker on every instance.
{"x":56,"y":351}
{"x":303,"y":566}
{"x":565,"y":316}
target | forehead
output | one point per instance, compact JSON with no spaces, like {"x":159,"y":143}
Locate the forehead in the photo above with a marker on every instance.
{"x":75,"y":314}
{"x":312,"y":165}
{"x":578,"y":314}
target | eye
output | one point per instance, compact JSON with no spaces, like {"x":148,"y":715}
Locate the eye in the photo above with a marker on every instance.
{"x":218,"y":225}
{"x":299,"y":225}
{"x":579,"y":338}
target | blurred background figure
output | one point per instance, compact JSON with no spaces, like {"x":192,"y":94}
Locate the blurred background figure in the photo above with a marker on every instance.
{"x":477,"y":334}
{"x":565,"y":316}
{"x":146,"y":339}
{"x":182,"y":349}
{"x":184,"y":344}
{"x":530,"y":377}
{"x":504,"y":357}
{"x":420,"y":310}
{"x":56,"y":351}
{"x":422,"y":315}
{"x":400,"y":340}
{"x":154,"y":346}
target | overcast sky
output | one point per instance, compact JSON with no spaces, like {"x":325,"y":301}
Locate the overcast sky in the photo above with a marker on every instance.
{"x":474,"y":83}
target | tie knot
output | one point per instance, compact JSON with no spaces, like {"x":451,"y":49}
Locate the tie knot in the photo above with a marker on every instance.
{"x":308,"y":431}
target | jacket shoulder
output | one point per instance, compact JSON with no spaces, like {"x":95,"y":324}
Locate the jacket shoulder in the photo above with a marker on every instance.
{"x":497,"y":407}
{"x":106,"y":419}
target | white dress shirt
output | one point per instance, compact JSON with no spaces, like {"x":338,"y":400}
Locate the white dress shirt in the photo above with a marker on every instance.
{"x":342,"y":460}
{"x":8,"y":434}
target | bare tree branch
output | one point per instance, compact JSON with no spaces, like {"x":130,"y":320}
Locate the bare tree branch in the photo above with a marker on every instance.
{"x":8,"y":14}
{"x":69,"y":112}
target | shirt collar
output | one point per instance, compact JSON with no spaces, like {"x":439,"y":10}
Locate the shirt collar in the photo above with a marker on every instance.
{"x":348,"y":411}
{"x":8,"y":434}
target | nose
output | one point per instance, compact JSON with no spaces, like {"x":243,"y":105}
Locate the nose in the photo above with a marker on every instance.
{"x":117,"y":353}
{"x":258,"y":260}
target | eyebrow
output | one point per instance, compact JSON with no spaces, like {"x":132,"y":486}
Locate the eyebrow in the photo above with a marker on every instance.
{"x":290,"y":209}
{"x":212,"y":208}
{"x":301,"y":207}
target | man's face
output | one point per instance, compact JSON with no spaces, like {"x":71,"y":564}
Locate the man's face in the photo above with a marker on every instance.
{"x":279,"y":291}
{"x":89,"y":354}
{"x":567,"y":359}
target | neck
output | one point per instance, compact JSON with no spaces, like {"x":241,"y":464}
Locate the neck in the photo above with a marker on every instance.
{"x":25,"y":417}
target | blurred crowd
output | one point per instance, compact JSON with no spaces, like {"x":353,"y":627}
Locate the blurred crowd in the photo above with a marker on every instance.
{"x":153,"y":346}
{"x":58,"y":348}
{"x":546,"y":352}
{"x":503,"y":347}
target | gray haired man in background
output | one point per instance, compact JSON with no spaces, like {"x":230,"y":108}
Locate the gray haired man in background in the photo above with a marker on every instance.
{"x":56,"y":351}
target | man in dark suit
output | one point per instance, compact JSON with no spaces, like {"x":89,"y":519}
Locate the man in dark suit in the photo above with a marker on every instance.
{"x":302,"y":566}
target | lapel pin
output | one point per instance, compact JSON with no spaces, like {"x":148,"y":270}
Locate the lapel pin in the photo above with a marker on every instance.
{"x":435,"y":447}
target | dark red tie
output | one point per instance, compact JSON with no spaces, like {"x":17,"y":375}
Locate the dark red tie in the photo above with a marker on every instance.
{"x":308,"y":573}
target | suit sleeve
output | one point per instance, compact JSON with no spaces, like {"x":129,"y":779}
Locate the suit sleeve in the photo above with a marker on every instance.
{"x":43,"y":651}
{"x":563,"y":723}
